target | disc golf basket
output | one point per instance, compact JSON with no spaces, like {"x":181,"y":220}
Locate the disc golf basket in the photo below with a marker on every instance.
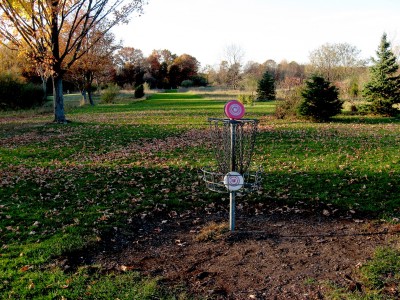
{"x":233,"y":142}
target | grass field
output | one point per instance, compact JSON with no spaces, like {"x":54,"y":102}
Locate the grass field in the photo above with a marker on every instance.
{"x":64,"y":187}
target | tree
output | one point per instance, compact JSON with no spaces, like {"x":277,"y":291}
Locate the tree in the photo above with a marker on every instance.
{"x":187,"y":67}
{"x":320,"y":99}
{"x":96,"y":61}
{"x":158,"y":64}
{"x":139,"y":91}
{"x":10,"y":62}
{"x":234,"y":57}
{"x":383,"y":89}
{"x":270,"y":66}
{"x":234,"y":76}
{"x":52,"y":32}
{"x":266,"y":88}
{"x":131,"y":67}
{"x":129,"y":56}
{"x":222,"y":73}
{"x":335,"y":61}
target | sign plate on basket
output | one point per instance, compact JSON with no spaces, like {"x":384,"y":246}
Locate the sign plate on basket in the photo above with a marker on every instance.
{"x":233,"y":181}
{"x":234,"y":110}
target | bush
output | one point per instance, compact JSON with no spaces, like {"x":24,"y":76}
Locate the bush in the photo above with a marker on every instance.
{"x":15,"y":94}
{"x":288,"y":107}
{"x":363,"y":109}
{"x":246,"y":99}
{"x":320,"y":99}
{"x":199,"y":80}
{"x":383,"y":107}
{"x":31,"y":95}
{"x":187,"y":83}
{"x":146,"y":87}
{"x":110,"y":94}
{"x":139,"y":91}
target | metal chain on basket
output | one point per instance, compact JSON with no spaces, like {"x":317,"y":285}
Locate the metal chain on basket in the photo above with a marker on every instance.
{"x":245,"y":133}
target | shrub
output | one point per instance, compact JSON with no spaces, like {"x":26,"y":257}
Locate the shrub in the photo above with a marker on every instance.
{"x":199,"y":80}
{"x":288,"y":107}
{"x":383,"y":107}
{"x":110,"y":94}
{"x":363,"y":109}
{"x":320,"y":99}
{"x":187,"y":83}
{"x":354,"y":89}
{"x":139,"y":91}
{"x":146,"y":87}
{"x":31,"y":95}
{"x":246,"y":99}
{"x":16,"y":94}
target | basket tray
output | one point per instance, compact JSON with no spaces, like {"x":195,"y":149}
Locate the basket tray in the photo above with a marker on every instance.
{"x":215,"y":181}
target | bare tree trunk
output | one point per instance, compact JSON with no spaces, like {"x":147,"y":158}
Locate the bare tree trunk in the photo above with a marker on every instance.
{"x":59,"y":114}
{"x":90,"y":97}
{"x":44,"y":87}
{"x":89,"y":81}
{"x":83,"y":93}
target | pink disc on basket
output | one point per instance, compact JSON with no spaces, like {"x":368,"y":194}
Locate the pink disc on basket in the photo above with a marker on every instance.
{"x":234,"y":110}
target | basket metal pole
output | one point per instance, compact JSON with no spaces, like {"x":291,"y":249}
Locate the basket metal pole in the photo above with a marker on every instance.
{"x":232,"y":124}
{"x":233,"y":168}
{"x":232,"y":211}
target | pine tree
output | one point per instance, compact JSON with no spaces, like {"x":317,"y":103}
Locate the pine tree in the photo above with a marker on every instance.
{"x":266,"y":88}
{"x":139,"y":91}
{"x":383,"y":89}
{"x":320,"y":99}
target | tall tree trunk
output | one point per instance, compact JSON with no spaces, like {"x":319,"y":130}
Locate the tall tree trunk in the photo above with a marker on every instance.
{"x":59,"y":114}
{"x":83,"y":93}
{"x":90,"y":97}
{"x":44,"y":87}
{"x":89,"y":80}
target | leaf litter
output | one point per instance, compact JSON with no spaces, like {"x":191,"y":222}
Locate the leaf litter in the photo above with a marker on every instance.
{"x":278,"y":251}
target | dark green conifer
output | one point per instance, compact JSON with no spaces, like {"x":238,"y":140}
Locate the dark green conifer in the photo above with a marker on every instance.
{"x":320,"y":99}
{"x":266,"y":88}
{"x":383,"y":89}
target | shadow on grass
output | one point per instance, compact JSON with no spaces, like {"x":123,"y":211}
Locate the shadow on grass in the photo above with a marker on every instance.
{"x":120,"y":205}
{"x":366,"y":119}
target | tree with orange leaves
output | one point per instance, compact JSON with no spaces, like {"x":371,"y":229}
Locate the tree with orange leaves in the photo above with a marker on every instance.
{"x":52,"y":32}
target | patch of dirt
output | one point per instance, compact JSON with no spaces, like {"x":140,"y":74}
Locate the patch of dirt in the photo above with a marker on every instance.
{"x":274,"y":253}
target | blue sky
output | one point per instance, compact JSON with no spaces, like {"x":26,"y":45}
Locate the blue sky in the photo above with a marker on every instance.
{"x":263,"y":29}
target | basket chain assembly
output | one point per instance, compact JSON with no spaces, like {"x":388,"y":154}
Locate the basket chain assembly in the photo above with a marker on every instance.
{"x":233,"y":142}
{"x":233,"y":145}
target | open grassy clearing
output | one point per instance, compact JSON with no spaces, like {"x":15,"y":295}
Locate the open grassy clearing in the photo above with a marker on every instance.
{"x":65,"y":188}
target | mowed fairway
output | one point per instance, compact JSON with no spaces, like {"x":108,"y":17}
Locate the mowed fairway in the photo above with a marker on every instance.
{"x":65,"y":189}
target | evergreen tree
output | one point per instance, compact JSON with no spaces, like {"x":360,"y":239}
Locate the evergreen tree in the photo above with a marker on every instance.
{"x":383,"y":89}
{"x":139,"y":91}
{"x":266,"y":88}
{"x":320,"y":99}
